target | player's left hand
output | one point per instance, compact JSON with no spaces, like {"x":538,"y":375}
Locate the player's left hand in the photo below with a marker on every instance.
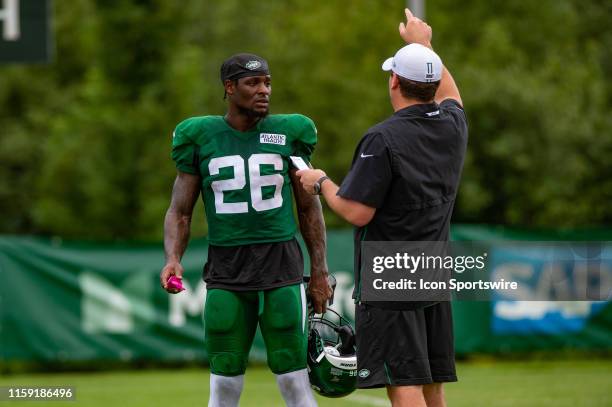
{"x":308,"y":179}
{"x":319,"y":291}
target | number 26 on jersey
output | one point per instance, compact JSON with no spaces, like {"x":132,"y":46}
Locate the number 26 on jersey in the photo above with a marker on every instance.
{"x":256,"y":182}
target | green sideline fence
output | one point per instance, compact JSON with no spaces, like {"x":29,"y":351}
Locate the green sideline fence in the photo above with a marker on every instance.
{"x":73,"y":301}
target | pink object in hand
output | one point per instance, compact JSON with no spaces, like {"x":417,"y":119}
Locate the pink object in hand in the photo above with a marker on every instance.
{"x":175,"y":283}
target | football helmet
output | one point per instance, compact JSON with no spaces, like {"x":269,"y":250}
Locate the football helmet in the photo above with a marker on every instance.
{"x":332,"y":362}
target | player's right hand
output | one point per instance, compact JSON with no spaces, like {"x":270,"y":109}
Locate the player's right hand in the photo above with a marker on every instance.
{"x":415,"y":30}
{"x":170,"y":269}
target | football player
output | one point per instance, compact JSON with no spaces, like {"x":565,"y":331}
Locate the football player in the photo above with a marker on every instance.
{"x":240,"y":162}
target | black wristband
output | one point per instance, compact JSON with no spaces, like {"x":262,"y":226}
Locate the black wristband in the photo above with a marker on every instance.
{"x":317,"y":185}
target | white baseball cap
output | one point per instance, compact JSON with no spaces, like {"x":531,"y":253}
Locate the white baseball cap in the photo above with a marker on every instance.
{"x":415,"y":62}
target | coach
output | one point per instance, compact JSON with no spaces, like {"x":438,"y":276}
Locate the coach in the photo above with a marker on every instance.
{"x":402,"y":187}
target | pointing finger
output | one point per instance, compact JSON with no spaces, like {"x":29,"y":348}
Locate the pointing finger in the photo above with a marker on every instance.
{"x":409,"y":15}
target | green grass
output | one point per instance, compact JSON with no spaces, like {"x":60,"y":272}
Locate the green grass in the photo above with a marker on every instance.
{"x":492,"y":383}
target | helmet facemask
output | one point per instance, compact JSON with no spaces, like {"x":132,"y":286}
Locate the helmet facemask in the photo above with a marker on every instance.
{"x":332,"y":361}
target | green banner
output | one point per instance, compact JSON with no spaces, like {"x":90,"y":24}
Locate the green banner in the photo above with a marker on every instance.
{"x":65,"y":301}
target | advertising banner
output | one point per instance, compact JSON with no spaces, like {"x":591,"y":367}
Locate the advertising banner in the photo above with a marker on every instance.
{"x":73,"y":300}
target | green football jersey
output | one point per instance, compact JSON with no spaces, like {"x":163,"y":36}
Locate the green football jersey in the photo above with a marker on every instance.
{"x":246,"y":186}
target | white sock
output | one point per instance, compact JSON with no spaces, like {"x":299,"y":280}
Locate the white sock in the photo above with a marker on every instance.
{"x":225,"y":391}
{"x":295,"y":388}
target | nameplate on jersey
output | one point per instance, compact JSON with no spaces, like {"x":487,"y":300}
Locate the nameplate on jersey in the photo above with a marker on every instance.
{"x":271,"y":138}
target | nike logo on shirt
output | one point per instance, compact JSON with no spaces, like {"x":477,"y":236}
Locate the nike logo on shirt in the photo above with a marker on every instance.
{"x":366,"y":155}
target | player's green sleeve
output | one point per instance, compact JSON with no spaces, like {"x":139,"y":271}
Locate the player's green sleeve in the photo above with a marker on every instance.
{"x":184,"y":150}
{"x":307,"y":138}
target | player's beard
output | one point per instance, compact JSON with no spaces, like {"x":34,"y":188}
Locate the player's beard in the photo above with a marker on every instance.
{"x":252,"y":113}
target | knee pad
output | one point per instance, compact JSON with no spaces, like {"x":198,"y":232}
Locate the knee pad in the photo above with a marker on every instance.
{"x":287,"y":360}
{"x":228,"y":364}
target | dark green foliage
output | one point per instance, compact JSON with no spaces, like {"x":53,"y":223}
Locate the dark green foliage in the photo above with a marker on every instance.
{"x":85,"y":140}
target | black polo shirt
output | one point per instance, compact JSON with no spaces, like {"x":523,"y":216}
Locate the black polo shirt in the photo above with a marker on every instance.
{"x":408,"y":168}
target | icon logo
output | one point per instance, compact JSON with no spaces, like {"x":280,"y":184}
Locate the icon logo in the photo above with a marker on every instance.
{"x":366,"y":155}
{"x":252,"y":65}
{"x":363,"y":373}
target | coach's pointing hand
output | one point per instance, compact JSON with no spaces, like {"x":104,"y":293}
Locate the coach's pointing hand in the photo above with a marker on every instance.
{"x":415,"y":30}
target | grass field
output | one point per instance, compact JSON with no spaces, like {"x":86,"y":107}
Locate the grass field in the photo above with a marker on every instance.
{"x":496,"y":383}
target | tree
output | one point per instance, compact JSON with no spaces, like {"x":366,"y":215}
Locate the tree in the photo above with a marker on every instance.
{"x":85,"y":140}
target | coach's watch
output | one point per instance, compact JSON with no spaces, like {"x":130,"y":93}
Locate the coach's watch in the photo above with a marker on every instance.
{"x":317,"y":185}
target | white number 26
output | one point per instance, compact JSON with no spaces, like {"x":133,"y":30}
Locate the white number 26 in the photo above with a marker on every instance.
{"x":257,"y":182}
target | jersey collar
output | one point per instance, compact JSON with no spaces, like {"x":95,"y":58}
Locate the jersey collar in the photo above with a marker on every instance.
{"x":420,"y":109}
